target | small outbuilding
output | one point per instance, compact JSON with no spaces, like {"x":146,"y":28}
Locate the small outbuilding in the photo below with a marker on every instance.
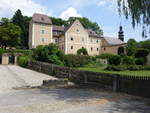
{"x":8,"y":58}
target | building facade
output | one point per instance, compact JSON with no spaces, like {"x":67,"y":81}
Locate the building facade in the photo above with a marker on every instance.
{"x":71,"y":38}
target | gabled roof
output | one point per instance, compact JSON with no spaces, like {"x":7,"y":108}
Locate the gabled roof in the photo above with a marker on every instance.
{"x":92,"y":33}
{"x":113,"y":41}
{"x":41,"y":18}
{"x":58,"y":28}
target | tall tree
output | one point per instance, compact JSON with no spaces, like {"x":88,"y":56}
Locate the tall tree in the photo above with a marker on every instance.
{"x":139,"y":11}
{"x":131,"y":47}
{"x":23,"y":23}
{"x":9,"y":34}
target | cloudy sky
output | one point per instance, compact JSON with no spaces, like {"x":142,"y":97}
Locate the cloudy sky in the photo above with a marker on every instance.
{"x":104,"y":12}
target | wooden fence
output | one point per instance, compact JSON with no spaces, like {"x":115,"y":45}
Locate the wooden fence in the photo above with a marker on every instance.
{"x":129,"y":84}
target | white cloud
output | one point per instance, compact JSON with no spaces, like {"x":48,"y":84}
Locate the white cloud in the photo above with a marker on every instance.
{"x":70,"y":12}
{"x":28,"y":7}
{"x":101,"y":3}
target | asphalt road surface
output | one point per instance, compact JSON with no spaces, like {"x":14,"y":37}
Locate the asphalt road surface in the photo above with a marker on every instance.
{"x":59,"y":100}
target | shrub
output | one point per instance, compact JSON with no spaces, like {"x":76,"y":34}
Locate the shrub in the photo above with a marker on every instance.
{"x":133,"y":67}
{"x":128,"y":60}
{"x":142,"y":52}
{"x":146,"y":67}
{"x":140,"y":61}
{"x":77,"y":60}
{"x":114,"y":60}
{"x":104,"y":56}
{"x":82,"y":51}
{"x":116,"y":68}
{"x":49,"y":53}
{"x":23,"y":61}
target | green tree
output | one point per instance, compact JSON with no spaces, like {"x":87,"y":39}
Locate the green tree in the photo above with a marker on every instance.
{"x":58,"y":21}
{"x":88,"y":24}
{"x":23,"y":23}
{"x":9,"y":34}
{"x":82,"y":51}
{"x":144,"y":44}
{"x":139,"y":11}
{"x":131,"y":47}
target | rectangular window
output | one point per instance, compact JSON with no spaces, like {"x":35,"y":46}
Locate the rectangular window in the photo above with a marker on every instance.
{"x":42,"y":31}
{"x":91,"y":48}
{"x":97,"y":49}
{"x":71,"y":47}
{"x":42,"y":40}
{"x":82,"y":39}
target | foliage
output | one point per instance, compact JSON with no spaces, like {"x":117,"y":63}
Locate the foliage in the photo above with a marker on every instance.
{"x":114,"y":60}
{"x":128,"y":60}
{"x":144,"y":44}
{"x":23,"y":23}
{"x":141,"y":52}
{"x":139,"y":11}
{"x":49,"y":53}
{"x":58,"y":21}
{"x":116,"y":68}
{"x":77,"y":60}
{"x":2,"y":51}
{"x":140,"y":61}
{"x":23,"y":61}
{"x":9,"y":34}
{"x":131,"y":47}
{"x":125,"y":67}
{"x":82,"y":51}
{"x":104,"y":56}
{"x":87,"y":24}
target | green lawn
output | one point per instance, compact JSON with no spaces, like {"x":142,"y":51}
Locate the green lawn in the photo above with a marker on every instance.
{"x":133,"y":73}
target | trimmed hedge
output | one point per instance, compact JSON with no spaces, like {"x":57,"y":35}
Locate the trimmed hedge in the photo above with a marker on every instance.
{"x":127,"y":67}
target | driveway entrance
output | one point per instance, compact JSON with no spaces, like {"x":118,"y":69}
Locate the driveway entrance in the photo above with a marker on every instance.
{"x":59,"y":100}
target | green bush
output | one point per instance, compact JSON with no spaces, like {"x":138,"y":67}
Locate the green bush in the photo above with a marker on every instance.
{"x":114,"y":60}
{"x":49,"y":53}
{"x":77,"y":60}
{"x":128,"y":60}
{"x":146,"y":67}
{"x":82,"y":51}
{"x":141,"y":52}
{"x":134,"y":68}
{"x":116,"y":68}
{"x":140,"y":61}
{"x":23,"y":61}
{"x":104,"y":56}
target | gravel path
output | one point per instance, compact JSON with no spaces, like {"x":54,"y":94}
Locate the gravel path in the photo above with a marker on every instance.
{"x":14,"y":76}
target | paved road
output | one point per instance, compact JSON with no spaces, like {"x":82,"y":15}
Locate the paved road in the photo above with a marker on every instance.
{"x":14,"y":76}
{"x":60,"y":100}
